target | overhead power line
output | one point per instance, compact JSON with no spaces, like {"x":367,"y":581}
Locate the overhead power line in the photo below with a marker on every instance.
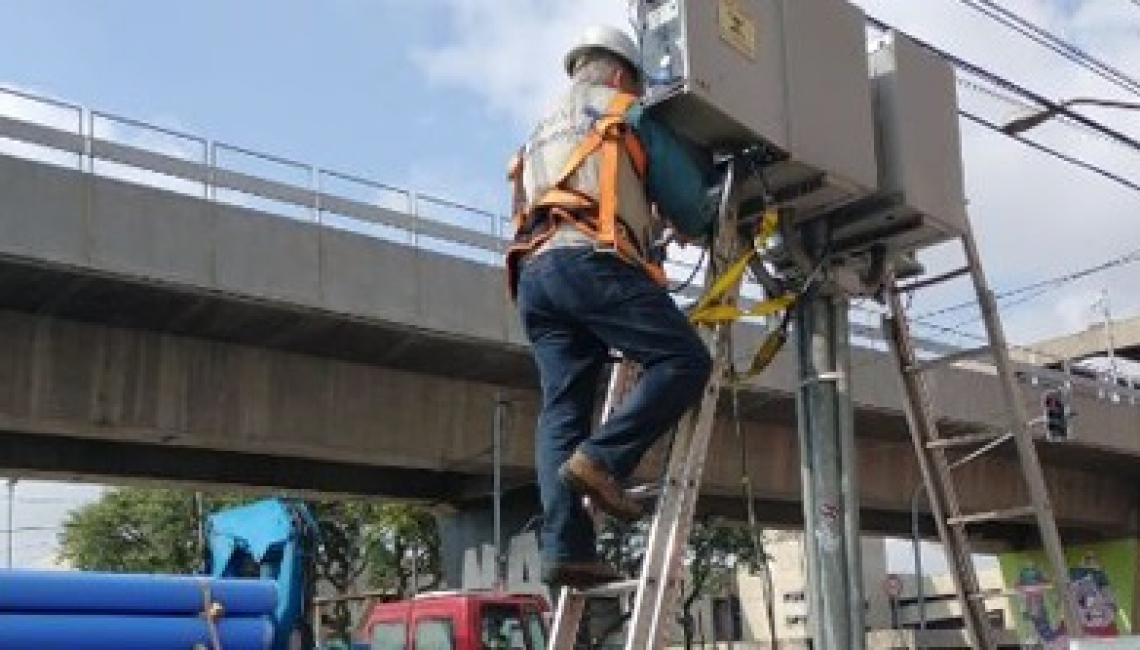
{"x":1018,"y":89}
{"x":1072,"y":160}
{"x":1054,"y":43}
{"x":1052,"y":283}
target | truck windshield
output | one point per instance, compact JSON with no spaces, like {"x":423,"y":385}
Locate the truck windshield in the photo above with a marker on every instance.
{"x":537,"y":629}
{"x":388,"y":636}
{"x":502,"y":629}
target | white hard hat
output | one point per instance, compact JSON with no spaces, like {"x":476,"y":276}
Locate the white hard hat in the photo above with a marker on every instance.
{"x":609,"y":39}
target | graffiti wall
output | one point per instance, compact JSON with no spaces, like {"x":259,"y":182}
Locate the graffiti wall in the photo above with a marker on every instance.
{"x":1103,"y":577}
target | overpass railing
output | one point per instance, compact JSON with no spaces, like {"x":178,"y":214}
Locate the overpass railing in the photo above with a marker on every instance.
{"x":100,"y":143}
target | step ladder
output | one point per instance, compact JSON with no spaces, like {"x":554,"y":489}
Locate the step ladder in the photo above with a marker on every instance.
{"x":657,"y":589}
{"x":934,"y":449}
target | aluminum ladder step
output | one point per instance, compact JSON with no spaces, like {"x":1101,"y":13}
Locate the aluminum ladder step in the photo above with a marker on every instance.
{"x":949,"y":359}
{"x":993,"y":515}
{"x":971,"y":440}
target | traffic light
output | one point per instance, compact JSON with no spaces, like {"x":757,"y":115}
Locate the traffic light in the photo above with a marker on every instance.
{"x":1055,"y":402}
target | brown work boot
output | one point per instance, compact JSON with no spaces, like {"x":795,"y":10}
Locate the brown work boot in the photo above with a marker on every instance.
{"x":588,"y":478}
{"x":579,"y":575}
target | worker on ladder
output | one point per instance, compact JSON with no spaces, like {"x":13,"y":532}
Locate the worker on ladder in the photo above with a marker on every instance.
{"x":585,"y":270}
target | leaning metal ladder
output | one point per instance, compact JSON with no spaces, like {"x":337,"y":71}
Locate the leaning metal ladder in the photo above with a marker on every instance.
{"x":932,"y":448}
{"x":656,"y":590}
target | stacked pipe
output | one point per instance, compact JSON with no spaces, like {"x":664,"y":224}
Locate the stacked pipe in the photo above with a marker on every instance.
{"x":53,"y":610}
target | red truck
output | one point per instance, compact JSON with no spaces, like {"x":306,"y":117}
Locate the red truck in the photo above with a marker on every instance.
{"x":458,"y":620}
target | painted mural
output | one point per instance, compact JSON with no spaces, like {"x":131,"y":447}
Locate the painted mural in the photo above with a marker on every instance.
{"x":1103,"y":578}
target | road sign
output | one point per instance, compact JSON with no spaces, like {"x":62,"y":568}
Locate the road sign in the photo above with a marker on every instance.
{"x":893,"y":586}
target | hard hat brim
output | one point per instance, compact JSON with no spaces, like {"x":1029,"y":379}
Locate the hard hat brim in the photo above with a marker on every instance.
{"x":571,"y":58}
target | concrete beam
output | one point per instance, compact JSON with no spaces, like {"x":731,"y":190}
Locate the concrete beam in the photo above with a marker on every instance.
{"x":1089,"y":343}
{"x":91,"y":248}
{"x":152,"y":404}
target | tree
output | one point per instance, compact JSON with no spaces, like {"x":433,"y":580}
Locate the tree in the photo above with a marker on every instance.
{"x":716,"y":548}
{"x":407,"y":556}
{"x":374,"y":545}
{"x":135,"y":530}
{"x":342,"y":555}
{"x":363,"y":544}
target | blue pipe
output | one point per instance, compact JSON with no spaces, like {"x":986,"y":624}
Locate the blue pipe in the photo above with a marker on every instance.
{"x":121,"y":632}
{"x":106,"y":593}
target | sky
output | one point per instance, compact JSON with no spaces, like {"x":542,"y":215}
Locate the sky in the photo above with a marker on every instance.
{"x":434,"y":95}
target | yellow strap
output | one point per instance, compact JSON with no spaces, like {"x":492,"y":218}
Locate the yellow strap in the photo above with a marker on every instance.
{"x":710,"y":309}
{"x":725,"y":313}
{"x":767,"y":226}
{"x":767,"y":351}
{"x":721,"y":285}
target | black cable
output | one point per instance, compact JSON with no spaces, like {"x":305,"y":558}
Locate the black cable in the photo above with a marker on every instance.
{"x":1054,"y":43}
{"x":1018,"y":89}
{"x":1118,"y":261}
{"x":1052,"y":152}
{"x":687,"y":282}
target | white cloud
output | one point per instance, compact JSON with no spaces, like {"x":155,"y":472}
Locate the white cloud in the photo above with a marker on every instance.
{"x":509,"y":52}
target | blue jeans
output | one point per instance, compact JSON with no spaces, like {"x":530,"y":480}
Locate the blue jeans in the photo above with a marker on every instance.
{"x":576,"y":304}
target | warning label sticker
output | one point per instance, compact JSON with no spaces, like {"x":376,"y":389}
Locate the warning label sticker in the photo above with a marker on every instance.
{"x":737,"y":28}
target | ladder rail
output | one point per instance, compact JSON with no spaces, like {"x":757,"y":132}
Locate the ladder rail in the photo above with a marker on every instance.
{"x":1027,"y":450}
{"x":572,"y":605}
{"x":659,"y":592}
{"x":670,"y":529}
{"x":943,"y":503}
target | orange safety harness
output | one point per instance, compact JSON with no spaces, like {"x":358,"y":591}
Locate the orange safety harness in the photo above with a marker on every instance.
{"x":536,"y":222}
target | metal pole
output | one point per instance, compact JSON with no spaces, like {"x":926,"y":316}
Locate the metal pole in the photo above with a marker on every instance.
{"x":415,"y":567}
{"x":1110,"y":344}
{"x":200,"y":518}
{"x":500,"y":423}
{"x":919,"y":586}
{"x":828,"y":463}
{"x":11,"y":521}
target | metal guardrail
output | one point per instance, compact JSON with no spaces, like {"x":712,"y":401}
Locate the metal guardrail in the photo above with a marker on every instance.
{"x":426,"y":221}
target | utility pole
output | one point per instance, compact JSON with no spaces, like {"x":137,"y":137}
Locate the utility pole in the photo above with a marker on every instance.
{"x":11,"y":521}
{"x":828,"y":465}
{"x":501,"y":406}
{"x":1109,"y":342}
{"x":200,"y":523}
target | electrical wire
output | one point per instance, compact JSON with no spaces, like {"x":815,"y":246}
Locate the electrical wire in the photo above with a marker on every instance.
{"x":1053,"y":43}
{"x":1052,"y":283}
{"x":1053,"y":152}
{"x":687,"y":282}
{"x":991,"y":77}
{"x":1021,"y":104}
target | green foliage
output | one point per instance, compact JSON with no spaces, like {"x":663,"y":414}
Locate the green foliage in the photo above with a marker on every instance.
{"x":406,"y":550}
{"x":363,"y":544}
{"x":135,"y":530}
{"x":715,"y":550}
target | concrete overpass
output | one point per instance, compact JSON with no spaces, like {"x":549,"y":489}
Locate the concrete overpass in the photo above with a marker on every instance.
{"x":1122,"y":335}
{"x":171,"y":318}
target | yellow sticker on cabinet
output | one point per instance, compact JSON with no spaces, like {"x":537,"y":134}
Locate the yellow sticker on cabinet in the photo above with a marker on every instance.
{"x":737,"y":28}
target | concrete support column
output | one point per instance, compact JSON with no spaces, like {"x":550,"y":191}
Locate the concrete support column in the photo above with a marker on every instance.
{"x":468,"y":543}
